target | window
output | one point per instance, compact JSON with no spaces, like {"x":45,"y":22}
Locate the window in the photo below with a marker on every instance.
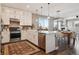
{"x":57,"y":25}
{"x":43,"y":23}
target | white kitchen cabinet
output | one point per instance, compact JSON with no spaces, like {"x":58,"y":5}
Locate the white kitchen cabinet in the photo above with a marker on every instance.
{"x":5,"y":16}
{"x":23,"y":34}
{"x":22,"y":19}
{"x":10,"y":13}
{"x":14,"y":13}
{"x":33,"y":36}
{"x":5,"y":36}
{"x":30,"y":35}
{"x":24,"y":16}
{"x":26,"y":19}
{"x":20,"y":14}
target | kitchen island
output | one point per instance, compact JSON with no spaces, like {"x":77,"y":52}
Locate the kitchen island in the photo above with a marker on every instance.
{"x":43,"y":39}
{"x":46,"y":40}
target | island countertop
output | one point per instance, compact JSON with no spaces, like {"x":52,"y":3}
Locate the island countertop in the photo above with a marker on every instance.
{"x":47,"y":32}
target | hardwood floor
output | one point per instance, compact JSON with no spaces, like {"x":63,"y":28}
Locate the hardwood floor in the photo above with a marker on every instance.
{"x":67,"y":51}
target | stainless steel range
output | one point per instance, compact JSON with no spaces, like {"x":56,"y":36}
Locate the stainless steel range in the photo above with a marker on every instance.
{"x":15,"y":33}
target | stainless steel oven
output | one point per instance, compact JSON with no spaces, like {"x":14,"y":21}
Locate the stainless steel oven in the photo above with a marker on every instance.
{"x":15,"y":33}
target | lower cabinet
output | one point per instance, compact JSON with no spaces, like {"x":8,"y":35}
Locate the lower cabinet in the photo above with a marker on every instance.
{"x":23,"y":35}
{"x":5,"y":36}
{"x":33,"y":36}
{"x":30,"y":35}
{"x":46,"y":41}
{"x":41,"y":40}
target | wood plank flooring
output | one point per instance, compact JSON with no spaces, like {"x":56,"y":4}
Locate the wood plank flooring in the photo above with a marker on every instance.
{"x":67,"y":51}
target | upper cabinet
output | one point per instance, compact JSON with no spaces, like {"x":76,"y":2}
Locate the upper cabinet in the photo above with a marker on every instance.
{"x":26,"y":19}
{"x":14,"y":13}
{"x":24,"y":16}
{"x":5,"y":16}
{"x":29,"y":18}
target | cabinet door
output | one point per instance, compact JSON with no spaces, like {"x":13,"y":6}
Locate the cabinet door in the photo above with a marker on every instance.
{"x":41,"y":40}
{"x":17,"y":14}
{"x":28,"y":18}
{"x":23,"y":34}
{"x":34,"y":37}
{"x":6,"y":38}
{"x":22,"y":19}
{"x":20,"y":14}
{"x":5,"y":19}
{"x":11,"y":13}
{"x":5,"y":16}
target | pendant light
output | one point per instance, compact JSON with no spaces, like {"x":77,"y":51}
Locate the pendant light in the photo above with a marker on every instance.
{"x":36,"y":15}
{"x":41,"y":10}
{"x":37,"y":11}
{"x":58,"y":13}
{"x":48,"y":11}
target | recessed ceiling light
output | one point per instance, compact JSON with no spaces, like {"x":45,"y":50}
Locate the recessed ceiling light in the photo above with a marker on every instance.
{"x":28,"y":6}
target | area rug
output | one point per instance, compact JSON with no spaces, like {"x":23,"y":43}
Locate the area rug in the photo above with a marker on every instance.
{"x":19,"y":48}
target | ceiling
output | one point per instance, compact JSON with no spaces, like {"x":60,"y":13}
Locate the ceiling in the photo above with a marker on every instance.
{"x":66,"y":9}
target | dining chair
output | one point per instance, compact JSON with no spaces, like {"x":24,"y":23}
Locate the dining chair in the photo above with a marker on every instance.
{"x":72,"y":39}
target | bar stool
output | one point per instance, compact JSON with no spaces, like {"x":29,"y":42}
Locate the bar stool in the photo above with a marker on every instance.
{"x":72,"y":39}
{"x":60,"y":41}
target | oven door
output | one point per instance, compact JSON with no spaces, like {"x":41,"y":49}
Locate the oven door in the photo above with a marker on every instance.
{"x":15,"y":34}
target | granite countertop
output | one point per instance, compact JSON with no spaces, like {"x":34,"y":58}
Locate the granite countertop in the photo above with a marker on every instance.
{"x":47,"y":32}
